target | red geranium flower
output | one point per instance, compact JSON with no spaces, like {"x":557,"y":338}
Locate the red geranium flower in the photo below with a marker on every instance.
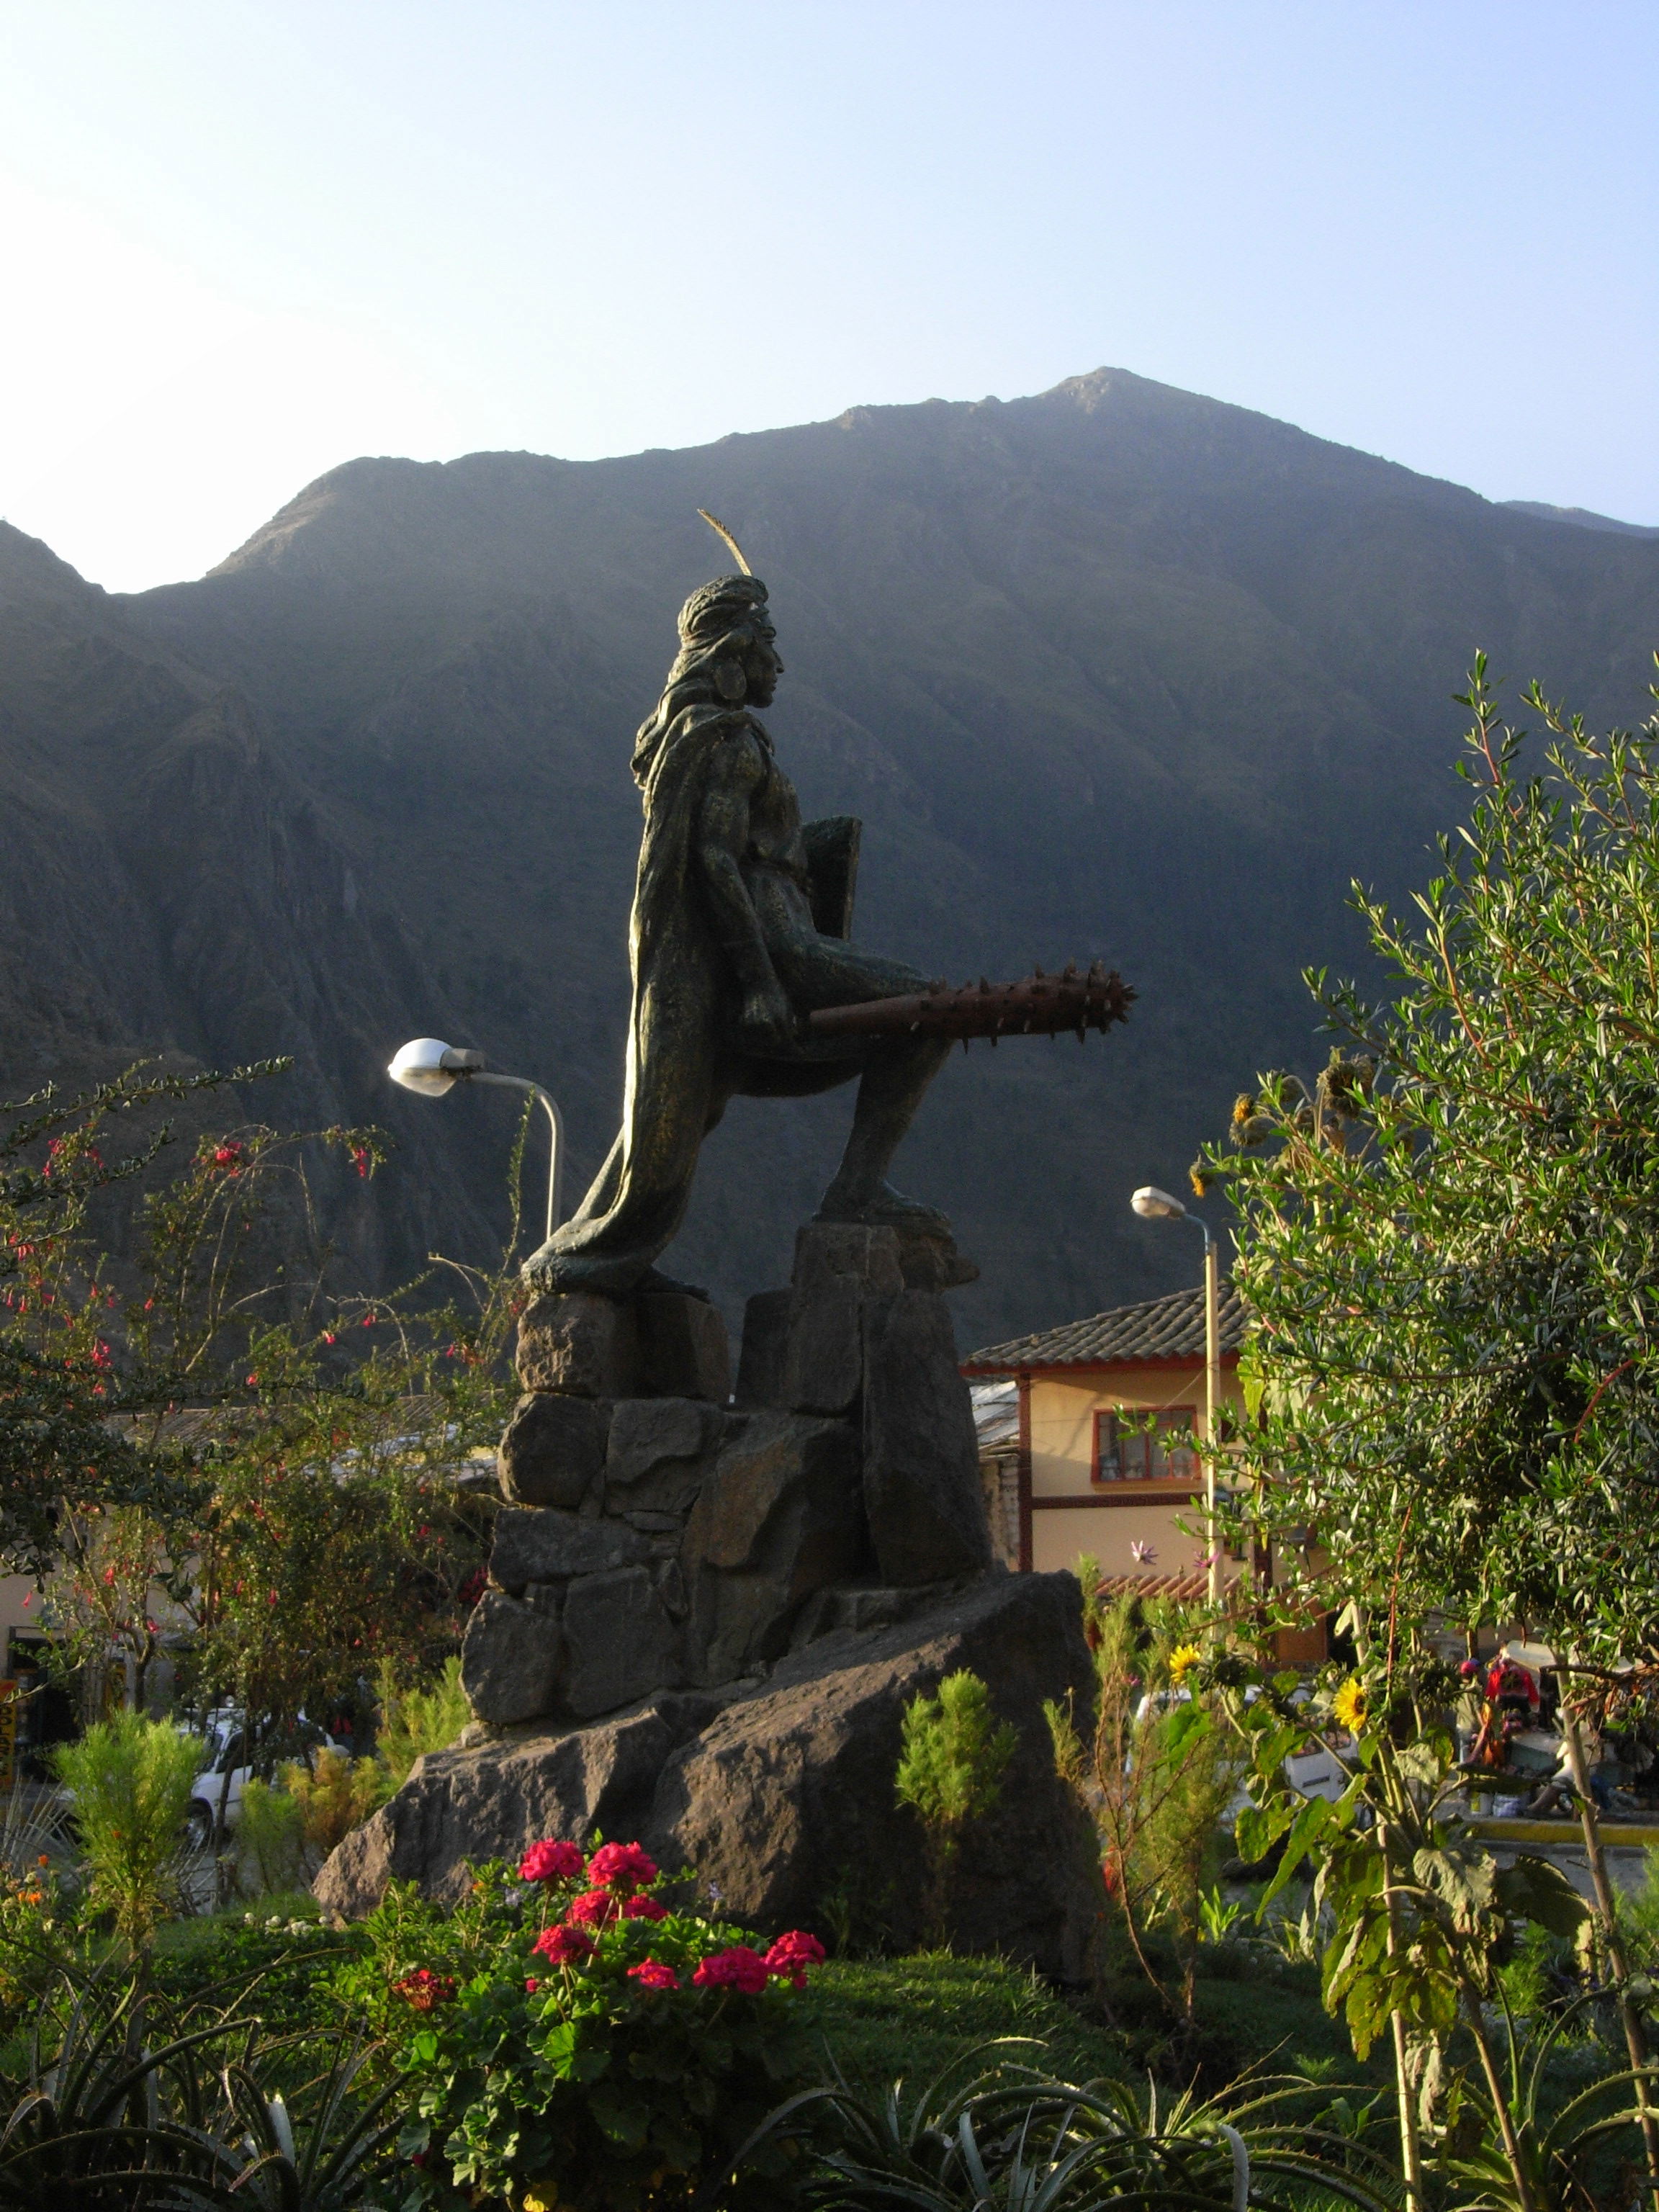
{"x":652,"y":1974}
{"x":551,"y":1861}
{"x":792,"y":1955}
{"x":594,"y":1908}
{"x":644,"y":1908}
{"x":625,"y":1867}
{"x":739,"y":1968}
{"x":424,"y":1989}
{"x":564,"y":1947}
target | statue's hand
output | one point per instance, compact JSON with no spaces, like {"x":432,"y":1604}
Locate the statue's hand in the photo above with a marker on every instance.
{"x":768,"y":1020}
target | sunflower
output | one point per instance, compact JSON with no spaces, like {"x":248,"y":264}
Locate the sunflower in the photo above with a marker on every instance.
{"x":1348,"y":1705}
{"x":1184,"y":1656}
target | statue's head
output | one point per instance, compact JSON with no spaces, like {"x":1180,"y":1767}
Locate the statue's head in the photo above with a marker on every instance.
{"x":728,"y":657}
{"x":726,"y":637}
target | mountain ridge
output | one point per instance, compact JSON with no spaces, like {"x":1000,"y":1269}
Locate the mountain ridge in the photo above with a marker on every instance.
{"x":1113,"y":671}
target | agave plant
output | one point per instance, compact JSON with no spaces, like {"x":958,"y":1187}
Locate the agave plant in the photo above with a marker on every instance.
{"x":1518,"y":2160}
{"x":1011,"y":2140}
{"x":138,"y":2112}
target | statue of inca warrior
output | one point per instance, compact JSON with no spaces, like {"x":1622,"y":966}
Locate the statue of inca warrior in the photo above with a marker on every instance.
{"x":738,"y":933}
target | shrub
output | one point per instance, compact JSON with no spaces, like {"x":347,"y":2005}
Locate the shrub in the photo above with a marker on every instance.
{"x":131,"y":1780}
{"x":579,"y":2041}
{"x":270,"y":1840}
{"x":416,"y":1721}
{"x":334,"y":1796}
{"x":950,"y":1769}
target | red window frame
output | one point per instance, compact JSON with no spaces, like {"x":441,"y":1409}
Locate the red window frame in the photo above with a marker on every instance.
{"x":1125,"y":1450}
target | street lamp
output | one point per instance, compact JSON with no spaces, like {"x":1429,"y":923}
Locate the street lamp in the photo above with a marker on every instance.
{"x":430,"y":1066}
{"x":1153,"y":1204}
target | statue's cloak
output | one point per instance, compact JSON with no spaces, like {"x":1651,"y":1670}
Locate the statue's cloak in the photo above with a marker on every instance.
{"x":682,"y":1022}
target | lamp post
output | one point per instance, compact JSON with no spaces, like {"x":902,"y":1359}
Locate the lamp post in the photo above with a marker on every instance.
{"x":1155,"y":1205}
{"x":431,"y":1067}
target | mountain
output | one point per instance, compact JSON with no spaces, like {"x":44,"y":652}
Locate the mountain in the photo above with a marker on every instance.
{"x":1115,"y":672}
{"x":1582,"y":518}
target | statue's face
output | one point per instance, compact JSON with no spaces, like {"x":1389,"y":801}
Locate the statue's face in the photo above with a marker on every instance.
{"x":762,"y":669}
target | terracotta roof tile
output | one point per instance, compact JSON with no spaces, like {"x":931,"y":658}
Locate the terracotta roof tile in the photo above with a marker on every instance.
{"x":1161,"y":1328}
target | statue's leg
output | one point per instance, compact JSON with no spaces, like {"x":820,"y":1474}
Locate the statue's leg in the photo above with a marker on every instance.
{"x":897,"y":1072}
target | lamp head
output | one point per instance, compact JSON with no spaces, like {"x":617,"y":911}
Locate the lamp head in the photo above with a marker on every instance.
{"x":1153,"y":1204}
{"x":431,"y":1066}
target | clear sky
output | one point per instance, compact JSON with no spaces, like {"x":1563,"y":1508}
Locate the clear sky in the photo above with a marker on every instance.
{"x":240,"y":243}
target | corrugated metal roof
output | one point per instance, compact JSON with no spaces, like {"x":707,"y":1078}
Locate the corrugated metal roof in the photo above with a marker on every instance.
{"x":1161,"y":1328}
{"x":996,"y":1416}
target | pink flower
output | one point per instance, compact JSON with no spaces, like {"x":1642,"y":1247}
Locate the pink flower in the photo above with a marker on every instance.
{"x":792,"y":1955}
{"x":551,"y":1861}
{"x":564,"y":1947}
{"x":531,"y":1985}
{"x":1142,"y":1552}
{"x":594,"y":1908}
{"x":739,"y":1968}
{"x":644,"y":1908}
{"x":652,"y":1974}
{"x":620,"y":1866}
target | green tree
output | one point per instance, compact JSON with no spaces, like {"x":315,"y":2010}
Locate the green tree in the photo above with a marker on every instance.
{"x":954,"y":1752}
{"x":1451,"y":1243}
{"x":131,"y":1780}
{"x":212,"y":1441}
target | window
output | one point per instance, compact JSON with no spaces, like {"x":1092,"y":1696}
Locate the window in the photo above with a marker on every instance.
{"x":1129,"y":1448}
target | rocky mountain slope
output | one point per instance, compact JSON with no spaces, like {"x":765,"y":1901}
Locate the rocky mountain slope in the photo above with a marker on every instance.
{"x":1113,"y":671}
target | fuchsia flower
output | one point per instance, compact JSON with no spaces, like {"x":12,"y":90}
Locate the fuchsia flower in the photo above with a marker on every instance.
{"x":739,"y":1968}
{"x":625,"y":1867}
{"x":652,"y":1974}
{"x":564,"y":1947}
{"x":551,"y":1861}
{"x":644,"y":1908}
{"x":531,"y":1985}
{"x":594,"y":1908}
{"x":792,"y":1955}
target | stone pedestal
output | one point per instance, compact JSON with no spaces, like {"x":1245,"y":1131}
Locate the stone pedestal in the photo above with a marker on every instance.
{"x":705,"y":1618}
{"x":659,"y":1537}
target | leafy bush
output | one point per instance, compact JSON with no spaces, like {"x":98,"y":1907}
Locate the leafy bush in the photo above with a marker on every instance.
{"x":571,"y":2037}
{"x":131,"y":1780}
{"x":950,"y":1769}
{"x":270,"y":1840}
{"x":334,"y":1796}
{"x":414,"y":1721}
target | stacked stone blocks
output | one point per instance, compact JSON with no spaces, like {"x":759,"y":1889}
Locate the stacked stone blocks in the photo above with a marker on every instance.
{"x":659,"y":1533}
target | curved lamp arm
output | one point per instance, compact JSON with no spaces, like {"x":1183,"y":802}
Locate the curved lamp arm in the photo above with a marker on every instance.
{"x":555,"y":1131}
{"x":433,"y":1068}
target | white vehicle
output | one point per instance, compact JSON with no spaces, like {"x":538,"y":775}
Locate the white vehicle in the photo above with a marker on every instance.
{"x":1316,"y":1771}
{"x":217,"y":1795}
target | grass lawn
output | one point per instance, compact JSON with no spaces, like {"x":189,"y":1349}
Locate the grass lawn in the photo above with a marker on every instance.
{"x":882,"y":2018}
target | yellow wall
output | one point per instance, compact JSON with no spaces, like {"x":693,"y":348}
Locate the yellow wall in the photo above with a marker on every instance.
{"x":21,"y":1608}
{"x":1117,"y":1514}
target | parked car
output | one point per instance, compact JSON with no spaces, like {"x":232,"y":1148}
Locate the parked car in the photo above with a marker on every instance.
{"x":217,"y":1795}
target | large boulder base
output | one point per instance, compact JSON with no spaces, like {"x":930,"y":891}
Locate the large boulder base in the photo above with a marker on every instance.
{"x":781,"y":1796}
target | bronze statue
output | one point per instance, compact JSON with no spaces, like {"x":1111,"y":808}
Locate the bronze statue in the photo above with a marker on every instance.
{"x":738,"y":934}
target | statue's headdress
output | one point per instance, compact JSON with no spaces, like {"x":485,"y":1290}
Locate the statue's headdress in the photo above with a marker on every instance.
{"x":716,"y":623}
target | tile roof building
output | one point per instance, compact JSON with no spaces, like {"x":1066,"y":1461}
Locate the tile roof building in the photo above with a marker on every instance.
{"x":1171,"y":1328}
{"x":1107,"y":1410}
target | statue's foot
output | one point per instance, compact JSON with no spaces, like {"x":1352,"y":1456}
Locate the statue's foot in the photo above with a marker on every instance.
{"x":886,"y":1209}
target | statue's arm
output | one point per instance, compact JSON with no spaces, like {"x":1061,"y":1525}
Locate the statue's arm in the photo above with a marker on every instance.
{"x":722,"y":838}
